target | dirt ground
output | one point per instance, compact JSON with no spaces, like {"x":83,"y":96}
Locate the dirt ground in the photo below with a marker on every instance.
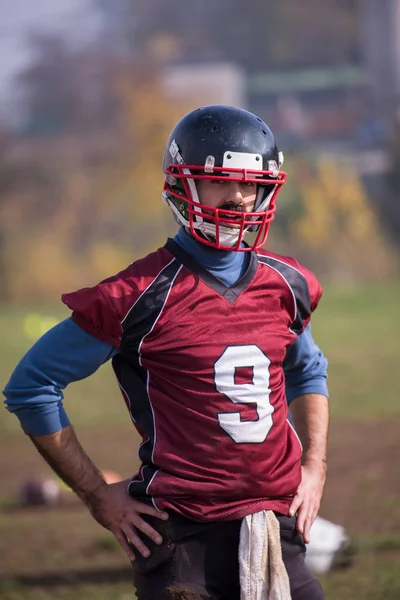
{"x":64,"y":544}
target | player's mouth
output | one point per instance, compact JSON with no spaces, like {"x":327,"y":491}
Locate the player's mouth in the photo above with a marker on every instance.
{"x":235,"y":218}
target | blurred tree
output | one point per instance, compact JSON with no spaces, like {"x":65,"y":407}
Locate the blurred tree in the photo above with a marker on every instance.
{"x":65,"y":89}
{"x":51,"y":94}
{"x":263,"y":36}
{"x":337,"y":232}
{"x":77,"y":206}
{"x":76,"y":215}
{"x":131,"y":212}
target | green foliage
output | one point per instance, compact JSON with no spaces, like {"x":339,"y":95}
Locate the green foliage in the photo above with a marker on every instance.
{"x":325,"y":218}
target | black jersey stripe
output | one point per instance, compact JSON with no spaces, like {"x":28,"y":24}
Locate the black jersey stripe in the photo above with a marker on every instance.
{"x":298,"y":286}
{"x":166,"y":271}
{"x":132,"y":377}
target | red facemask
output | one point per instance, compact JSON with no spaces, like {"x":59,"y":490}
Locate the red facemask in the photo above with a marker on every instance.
{"x":222,"y":228}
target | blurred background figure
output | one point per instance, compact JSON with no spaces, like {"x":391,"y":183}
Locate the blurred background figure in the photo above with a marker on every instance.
{"x":89,"y":91}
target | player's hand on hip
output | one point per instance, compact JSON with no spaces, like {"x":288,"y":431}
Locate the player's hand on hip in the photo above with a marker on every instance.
{"x":115,"y":510}
{"x":308,"y":498}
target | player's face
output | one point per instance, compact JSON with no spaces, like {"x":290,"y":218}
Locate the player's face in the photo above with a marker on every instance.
{"x":231,"y":195}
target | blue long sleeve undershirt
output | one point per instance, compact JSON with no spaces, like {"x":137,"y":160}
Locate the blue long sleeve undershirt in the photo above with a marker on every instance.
{"x":66,"y":354}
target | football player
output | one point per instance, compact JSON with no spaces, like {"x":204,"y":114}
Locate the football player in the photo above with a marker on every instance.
{"x":210,"y":341}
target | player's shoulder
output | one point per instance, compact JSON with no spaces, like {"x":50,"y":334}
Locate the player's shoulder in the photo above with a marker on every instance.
{"x":289,"y":261}
{"x":298,"y":277}
{"x":101,"y":309}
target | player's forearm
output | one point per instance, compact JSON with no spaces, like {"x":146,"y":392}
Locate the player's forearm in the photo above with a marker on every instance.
{"x":63,"y":452}
{"x":310,"y":414}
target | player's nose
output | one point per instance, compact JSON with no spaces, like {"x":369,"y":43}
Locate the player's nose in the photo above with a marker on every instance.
{"x":234,"y":192}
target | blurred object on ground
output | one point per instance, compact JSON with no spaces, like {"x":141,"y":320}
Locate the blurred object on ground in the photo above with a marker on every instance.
{"x":329,"y":547}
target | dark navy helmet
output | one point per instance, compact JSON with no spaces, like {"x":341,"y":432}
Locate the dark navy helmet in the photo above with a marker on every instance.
{"x":216,"y":142}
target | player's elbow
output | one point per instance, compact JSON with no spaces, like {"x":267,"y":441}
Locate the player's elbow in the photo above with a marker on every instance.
{"x":39,"y":409}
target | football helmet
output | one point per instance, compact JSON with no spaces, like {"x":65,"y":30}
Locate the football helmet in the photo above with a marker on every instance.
{"x":216,"y":142}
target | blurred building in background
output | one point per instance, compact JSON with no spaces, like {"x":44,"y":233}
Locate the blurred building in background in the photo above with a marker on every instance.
{"x":337,"y":85}
{"x":98,"y":85}
{"x":340,"y":86}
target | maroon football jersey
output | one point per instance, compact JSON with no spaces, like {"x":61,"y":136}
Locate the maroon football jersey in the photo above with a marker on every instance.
{"x":200,"y":368}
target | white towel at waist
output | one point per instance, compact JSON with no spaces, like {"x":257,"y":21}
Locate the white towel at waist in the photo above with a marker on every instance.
{"x":263,"y":575}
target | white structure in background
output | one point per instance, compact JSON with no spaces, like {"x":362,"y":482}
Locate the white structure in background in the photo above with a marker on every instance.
{"x":204,"y":84}
{"x":328,"y":547}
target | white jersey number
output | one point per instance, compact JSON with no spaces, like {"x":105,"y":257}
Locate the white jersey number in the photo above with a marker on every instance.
{"x":257,"y":392}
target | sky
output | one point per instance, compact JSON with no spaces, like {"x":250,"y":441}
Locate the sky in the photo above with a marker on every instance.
{"x":74,"y":18}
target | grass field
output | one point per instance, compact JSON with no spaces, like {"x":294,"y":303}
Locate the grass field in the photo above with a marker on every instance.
{"x":62,"y":553}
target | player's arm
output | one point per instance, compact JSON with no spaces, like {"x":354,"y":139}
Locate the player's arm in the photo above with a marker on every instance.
{"x":34,"y":393}
{"x":305,"y":370}
{"x":109,"y":504}
{"x":311,"y":418}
